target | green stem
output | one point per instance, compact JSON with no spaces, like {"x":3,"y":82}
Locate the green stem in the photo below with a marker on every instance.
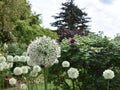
{"x":108,"y":85}
{"x":73,"y":84}
{"x":45,"y":78}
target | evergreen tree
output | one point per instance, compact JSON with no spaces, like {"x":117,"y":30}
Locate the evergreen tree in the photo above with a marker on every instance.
{"x":71,"y":18}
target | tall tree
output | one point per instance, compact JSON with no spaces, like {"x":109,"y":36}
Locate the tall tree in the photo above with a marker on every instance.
{"x":71,"y":18}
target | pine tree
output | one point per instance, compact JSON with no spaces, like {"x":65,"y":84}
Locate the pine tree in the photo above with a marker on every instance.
{"x":71,"y":18}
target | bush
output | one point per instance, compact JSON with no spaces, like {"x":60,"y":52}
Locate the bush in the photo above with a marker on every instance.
{"x":91,"y":55}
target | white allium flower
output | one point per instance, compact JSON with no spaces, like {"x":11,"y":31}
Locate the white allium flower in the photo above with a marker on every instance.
{"x":16,"y":58}
{"x":108,"y":74}
{"x":24,"y":69}
{"x":12,"y":81}
{"x":24,"y":54}
{"x":4,"y":65}
{"x":43,"y":51}
{"x":2,"y":59}
{"x":5,"y":46}
{"x":17,"y":71}
{"x":33,"y":74}
{"x":1,"y":67}
{"x":9,"y":65}
{"x":23,"y":58}
{"x":36,"y":68}
{"x":65,"y":64}
{"x":23,"y":86}
{"x":10,"y":58}
{"x":73,"y":73}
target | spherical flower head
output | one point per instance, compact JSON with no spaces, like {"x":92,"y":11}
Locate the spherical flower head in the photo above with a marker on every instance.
{"x":17,"y":71}
{"x":24,"y":69}
{"x":12,"y":81}
{"x":22,"y":58}
{"x":16,"y":58}
{"x":72,"y":40}
{"x":36,"y":68}
{"x":65,"y":64}
{"x":43,"y":51}
{"x":23,"y":86}
{"x":5,"y":46}
{"x":9,"y":65}
{"x":1,"y":67}
{"x":73,"y":73}
{"x":108,"y":74}
{"x":2,"y":59}
{"x":10,"y":58}
{"x":24,"y":54}
{"x":33,"y":74}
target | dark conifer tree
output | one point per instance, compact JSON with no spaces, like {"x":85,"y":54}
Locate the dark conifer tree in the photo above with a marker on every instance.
{"x":71,"y":18}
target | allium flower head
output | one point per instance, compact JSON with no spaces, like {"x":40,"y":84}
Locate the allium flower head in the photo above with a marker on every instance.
{"x":36,"y":68}
{"x":65,"y":64}
{"x":2,"y":59}
{"x":43,"y":51}
{"x":73,"y":73}
{"x":16,"y":58}
{"x":23,"y":86}
{"x":72,"y":40}
{"x":33,"y":74}
{"x":17,"y":71}
{"x":108,"y":74}
{"x":10,"y":58}
{"x":12,"y":81}
{"x":24,"y":69}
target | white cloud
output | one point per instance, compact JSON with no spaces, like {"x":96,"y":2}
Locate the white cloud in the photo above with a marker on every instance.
{"x":104,"y":16}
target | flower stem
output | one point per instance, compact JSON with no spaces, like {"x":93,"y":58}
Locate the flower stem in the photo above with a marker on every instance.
{"x":108,"y":85}
{"x":45,"y":78}
{"x":73,"y":84}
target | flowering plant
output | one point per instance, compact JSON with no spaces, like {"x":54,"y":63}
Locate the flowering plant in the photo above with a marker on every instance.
{"x":43,"y":51}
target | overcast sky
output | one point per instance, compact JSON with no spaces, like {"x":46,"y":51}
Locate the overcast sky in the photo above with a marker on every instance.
{"x":104,"y":14}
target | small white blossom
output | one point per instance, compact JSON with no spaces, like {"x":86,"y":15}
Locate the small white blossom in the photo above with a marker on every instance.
{"x":17,"y":71}
{"x":36,"y":68}
{"x":12,"y":81}
{"x":22,"y":58}
{"x":5,"y":46}
{"x":4,"y":65}
{"x":2,"y":59}
{"x":10,"y":58}
{"x":24,"y":69}
{"x":23,"y":86}
{"x":24,"y":54}
{"x":16,"y":58}
{"x":73,"y":73}
{"x":9,"y":65}
{"x":65,"y":64}
{"x":33,"y":74}
{"x":1,"y":67}
{"x":108,"y":74}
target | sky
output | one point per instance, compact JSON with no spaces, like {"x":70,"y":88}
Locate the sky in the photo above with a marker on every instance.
{"x":104,"y":14}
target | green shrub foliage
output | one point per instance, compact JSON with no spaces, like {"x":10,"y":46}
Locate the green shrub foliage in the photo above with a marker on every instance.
{"x":91,"y":55}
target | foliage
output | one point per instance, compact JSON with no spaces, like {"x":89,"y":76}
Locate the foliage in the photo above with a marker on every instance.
{"x":10,"y":11}
{"x":29,"y":29}
{"x":91,"y":55}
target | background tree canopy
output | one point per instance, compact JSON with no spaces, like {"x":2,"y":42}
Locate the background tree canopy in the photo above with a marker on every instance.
{"x":18,"y":23}
{"x":71,"y":18}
